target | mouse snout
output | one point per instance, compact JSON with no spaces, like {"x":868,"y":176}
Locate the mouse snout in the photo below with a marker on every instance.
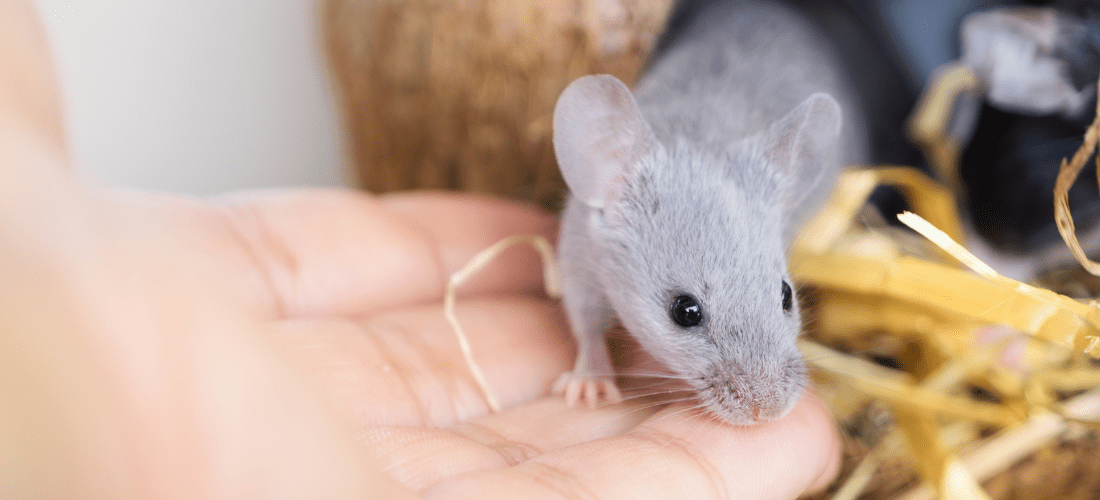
{"x":751,"y":396}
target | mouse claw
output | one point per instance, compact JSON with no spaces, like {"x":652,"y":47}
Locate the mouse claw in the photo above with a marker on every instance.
{"x":592,"y":389}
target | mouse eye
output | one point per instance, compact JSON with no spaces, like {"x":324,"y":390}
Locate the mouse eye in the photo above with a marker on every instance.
{"x":685,"y":311}
{"x":788,"y":297}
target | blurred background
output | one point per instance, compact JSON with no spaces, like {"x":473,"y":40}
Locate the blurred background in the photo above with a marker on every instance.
{"x":197,"y":97}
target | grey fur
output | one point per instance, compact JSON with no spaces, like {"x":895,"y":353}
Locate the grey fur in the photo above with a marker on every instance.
{"x":697,"y":187}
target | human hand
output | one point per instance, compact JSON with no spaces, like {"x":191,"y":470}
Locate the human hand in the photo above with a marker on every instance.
{"x":341,"y":293}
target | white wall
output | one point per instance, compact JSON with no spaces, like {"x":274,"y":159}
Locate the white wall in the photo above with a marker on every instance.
{"x":196,"y":96}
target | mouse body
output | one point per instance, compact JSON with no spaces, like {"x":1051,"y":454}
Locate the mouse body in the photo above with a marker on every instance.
{"x":684,"y":197}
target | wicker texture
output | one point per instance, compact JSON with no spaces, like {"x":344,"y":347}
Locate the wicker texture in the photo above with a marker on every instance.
{"x":459,"y":94}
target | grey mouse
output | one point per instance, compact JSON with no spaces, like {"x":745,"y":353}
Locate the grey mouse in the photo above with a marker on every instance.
{"x":685,"y":196}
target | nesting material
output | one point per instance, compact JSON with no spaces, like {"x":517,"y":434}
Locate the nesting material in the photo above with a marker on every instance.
{"x":459,"y":94}
{"x":962,"y":376}
{"x":959,"y":408}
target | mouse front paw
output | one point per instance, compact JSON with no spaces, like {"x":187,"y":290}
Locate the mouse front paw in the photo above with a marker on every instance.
{"x":593,"y":389}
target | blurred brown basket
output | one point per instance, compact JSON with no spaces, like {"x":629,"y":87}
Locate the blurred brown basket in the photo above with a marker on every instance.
{"x":459,"y":94}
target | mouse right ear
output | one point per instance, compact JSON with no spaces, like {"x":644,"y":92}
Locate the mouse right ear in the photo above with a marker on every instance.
{"x":799,"y":144}
{"x":599,"y":135}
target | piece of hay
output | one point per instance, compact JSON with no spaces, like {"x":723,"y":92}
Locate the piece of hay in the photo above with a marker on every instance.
{"x":479,"y":261}
{"x":1067,"y":174}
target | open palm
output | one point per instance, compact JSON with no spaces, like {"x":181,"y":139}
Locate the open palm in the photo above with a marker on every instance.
{"x":354,"y":285}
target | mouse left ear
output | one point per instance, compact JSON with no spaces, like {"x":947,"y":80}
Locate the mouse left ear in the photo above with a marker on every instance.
{"x":800,"y":144}
{"x":599,"y":137}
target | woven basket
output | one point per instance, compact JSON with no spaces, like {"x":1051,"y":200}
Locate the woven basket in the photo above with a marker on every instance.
{"x":459,"y":94}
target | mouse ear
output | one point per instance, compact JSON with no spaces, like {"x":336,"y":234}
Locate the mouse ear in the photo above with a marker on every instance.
{"x":800,"y":144}
{"x":599,"y":135}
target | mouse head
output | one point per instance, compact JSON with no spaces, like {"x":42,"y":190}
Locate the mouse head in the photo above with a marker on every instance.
{"x":689,"y":240}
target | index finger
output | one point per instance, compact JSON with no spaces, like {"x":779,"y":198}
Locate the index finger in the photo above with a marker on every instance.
{"x":29,"y":93}
{"x":345,"y":253}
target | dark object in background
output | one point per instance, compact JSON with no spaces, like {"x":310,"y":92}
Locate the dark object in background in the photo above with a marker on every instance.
{"x":1009,"y":168}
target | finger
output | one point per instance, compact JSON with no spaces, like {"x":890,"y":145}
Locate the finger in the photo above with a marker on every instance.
{"x":421,"y":457}
{"x":33,"y":155}
{"x":677,"y":454}
{"x":29,"y":97}
{"x":330,"y":252}
{"x":404,"y":367}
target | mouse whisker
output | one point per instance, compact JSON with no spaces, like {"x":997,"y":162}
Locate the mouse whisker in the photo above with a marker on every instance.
{"x":670,"y":376}
{"x":690,"y":408}
{"x":645,"y":407}
{"x":661,"y":396}
{"x":652,"y":406}
{"x":657,"y":388}
{"x":665,"y":402}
